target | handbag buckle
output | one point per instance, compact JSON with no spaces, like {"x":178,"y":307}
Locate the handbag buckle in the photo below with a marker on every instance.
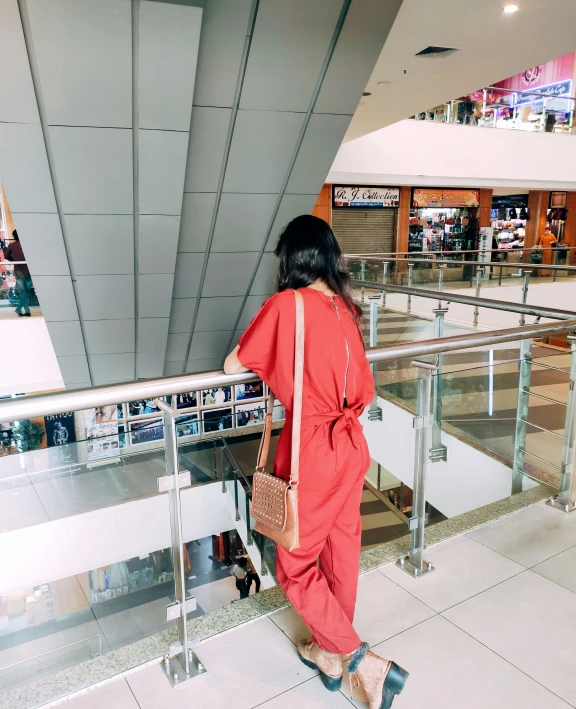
{"x":260,"y":469}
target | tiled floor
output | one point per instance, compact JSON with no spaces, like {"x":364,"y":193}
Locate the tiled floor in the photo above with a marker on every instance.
{"x":494,"y":627}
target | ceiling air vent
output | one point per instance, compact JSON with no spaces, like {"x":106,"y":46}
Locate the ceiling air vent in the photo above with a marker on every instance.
{"x":436,"y":52}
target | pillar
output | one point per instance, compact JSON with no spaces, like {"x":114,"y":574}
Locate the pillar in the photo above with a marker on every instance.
{"x":570,"y":226}
{"x":537,"y":207}
{"x":323,"y":206}
{"x":485,"y":209}
{"x":403,"y":225}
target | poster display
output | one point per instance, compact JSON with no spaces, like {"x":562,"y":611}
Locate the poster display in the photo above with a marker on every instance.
{"x":362,"y":196}
{"x":146,"y":431}
{"x":188,"y":400}
{"x":254,"y":390}
{"x":485,"y":244}
{"x":250,"y":414}
{"x":221,"y":395}
{"x":102,"y":431}
{"x":60,"y":430}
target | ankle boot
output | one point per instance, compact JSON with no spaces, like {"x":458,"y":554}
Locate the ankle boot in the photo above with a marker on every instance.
{"x":379,"y":680}
{"x":329,"y":665}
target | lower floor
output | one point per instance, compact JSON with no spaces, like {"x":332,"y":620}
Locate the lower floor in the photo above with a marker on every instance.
{"x":493,"y":626}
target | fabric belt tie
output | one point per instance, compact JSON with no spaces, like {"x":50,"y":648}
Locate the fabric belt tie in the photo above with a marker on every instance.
{"x":346,"y":419}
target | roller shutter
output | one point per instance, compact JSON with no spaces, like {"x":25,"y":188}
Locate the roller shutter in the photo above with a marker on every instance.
{"x":364,"y":231}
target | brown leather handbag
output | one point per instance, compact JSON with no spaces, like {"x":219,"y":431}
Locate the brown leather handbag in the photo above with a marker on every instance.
{"x":275,"y":501}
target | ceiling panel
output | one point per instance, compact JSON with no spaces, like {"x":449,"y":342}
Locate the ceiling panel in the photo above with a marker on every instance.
{"x":101,"y":243}
{"x":25,"y":174}
{"x":74,"y":370}
{"x":18,"y":103}
{"x":66,"y":338}
{"x":217,"y":314}
{"x":84,"y":56}
{"x":265,"y":281}
{"x":356,"y":52}
{"x":157,"y":243}
{"x":224,"y":25}
{"x":181,"y":315}
{"x":253,"y":305}
{"x":288,"y":48}
{"x":209,"y":344}
{"x":42,"y":242}
{"x":112,"y":368}
{"x":208,"y":132}
{"x":109,"y":336}
{"x":209,"y":364}
{"x":162,"y":164}
{"x":228,"y":274}
{"x":168,"y":49}
{"x":187,"y":275}
{"x":150,"y":365}
{"x":197,"y":211}
{"x":292,"y":205}
{"x":152,"y":334}
{"x":176,"y":348}
{"x":243,"y":221}
{"x":262,"y":145}
{"x":171,"y":368}
{"x":106,"y":297}
{"x":56,"y":296}
{"x":155,"y":295}
{"x":104,"y":188}
{"x":322,"y":139}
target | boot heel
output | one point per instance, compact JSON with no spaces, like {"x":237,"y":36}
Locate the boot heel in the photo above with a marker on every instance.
{"x":393,"y":685}
{"x":332,"y":684}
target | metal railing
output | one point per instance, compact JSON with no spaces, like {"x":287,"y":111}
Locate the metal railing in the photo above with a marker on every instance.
{"x":181,"y":663}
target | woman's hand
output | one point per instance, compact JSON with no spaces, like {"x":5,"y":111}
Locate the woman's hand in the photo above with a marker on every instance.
{"x":232,"y":365}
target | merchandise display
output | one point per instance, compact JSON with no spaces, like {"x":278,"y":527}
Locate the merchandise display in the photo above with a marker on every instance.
{"x":125,"y":577}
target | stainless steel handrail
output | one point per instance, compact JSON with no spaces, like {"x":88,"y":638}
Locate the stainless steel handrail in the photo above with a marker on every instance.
{"x":452,"y":297}
{"x":486,"y":264}
{"x":386,"y":254}
{"x":61,"y":402}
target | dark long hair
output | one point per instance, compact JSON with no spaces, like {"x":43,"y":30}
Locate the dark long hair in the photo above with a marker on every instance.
{"x":307,"y":251}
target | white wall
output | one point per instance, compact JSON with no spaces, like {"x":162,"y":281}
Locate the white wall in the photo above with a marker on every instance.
{"x":426,"y":153}
{"x":468,"y":480}
{"x":64,"y":547}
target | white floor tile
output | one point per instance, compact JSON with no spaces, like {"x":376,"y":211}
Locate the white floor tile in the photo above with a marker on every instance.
{"x":116,"y":695}
{"x":309,"y":695}
{"x":450,"y":670}
{"x":560,"y":568}
{"x":382,"y":610}
{"x":529,"y":621}
{"x":528,"y":537}
{"x":20,"y":506}
{"x":244,"y":668}
{"x":462,"y":568}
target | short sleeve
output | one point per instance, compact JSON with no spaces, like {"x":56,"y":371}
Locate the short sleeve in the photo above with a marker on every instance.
{"x":267,"y":346}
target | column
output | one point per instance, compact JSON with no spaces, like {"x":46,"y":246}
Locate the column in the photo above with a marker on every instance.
{"x":323,"y":206}
{"x":485,"y":209}
{"x":403,"y":225}
{"x":537,"y":207}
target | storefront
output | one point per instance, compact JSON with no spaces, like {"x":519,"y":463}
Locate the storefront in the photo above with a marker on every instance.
{"x":364,"y":218}
{"x":443,"y":219}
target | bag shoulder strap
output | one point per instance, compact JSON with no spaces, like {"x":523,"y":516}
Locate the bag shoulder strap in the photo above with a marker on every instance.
{"x":297,"y":406}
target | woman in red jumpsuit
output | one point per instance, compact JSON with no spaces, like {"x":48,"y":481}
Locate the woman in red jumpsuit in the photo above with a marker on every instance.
{"x":321,"y":577}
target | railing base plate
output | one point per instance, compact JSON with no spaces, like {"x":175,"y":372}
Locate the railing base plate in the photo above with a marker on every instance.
{"x":174,"y":668}
{"x":414,"y":571}
{"x":553,"y":502}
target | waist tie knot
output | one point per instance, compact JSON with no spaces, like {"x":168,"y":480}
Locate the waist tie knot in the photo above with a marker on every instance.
{"x":340,"y":420}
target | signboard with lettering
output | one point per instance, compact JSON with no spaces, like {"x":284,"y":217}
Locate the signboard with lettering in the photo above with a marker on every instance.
{"x":444,"y":198}
{"x":366,"y":197}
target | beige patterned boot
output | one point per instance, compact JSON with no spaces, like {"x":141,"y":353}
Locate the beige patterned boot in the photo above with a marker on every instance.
{"x":330,"y":665}
{"x":373,"y":679}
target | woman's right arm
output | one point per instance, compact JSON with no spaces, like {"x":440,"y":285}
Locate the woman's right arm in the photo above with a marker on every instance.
{"x":233,"y":365}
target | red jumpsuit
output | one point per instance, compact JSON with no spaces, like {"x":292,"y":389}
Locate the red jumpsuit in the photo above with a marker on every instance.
{"x":321,"y":577}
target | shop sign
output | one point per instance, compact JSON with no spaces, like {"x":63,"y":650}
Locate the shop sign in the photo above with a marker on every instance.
{"x":365,"y":196}
{"x":445,"y":198}
{"x":562,"y":88}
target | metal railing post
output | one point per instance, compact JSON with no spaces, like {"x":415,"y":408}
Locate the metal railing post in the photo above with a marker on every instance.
{"x":554,"y":263}
{"x":566,"y":497}
{"x":384,"y":281}
{"x":438,"y":451}
{"x":362,"y":276}
{"x":180,"y":663}
{"x":410,"y":283}
{"x":525,"y":295}
{"x":414,"y":563}
{"x":479,"y":274}
{"x":374,"y":412}
{"x":441,"y":267}
{"x":222,"y":466}
{"x":500,"y":276}
{"x":236,"y":501}
{"x":525,"y":370}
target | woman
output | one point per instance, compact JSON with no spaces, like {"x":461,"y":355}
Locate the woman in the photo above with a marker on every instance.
{"x":546,"y":241}
{"x":321,"y":577}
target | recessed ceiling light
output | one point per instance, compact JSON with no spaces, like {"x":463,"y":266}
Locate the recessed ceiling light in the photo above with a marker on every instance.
{"x":511,"y":9}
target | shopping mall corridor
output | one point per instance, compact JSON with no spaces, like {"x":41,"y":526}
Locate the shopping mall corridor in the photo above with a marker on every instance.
{"x":493,"y":626}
